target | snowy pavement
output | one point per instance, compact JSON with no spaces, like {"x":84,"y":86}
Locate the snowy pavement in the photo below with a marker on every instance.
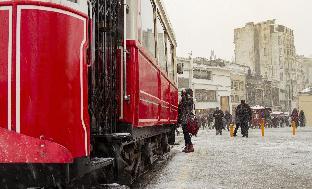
{"x":279,"y":160}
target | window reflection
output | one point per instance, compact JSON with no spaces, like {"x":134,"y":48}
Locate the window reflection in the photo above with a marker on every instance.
{"x":161,"y":45}
{"x":148,"y":35}
{"x":162,"y":49}
{"x":170,"y":59}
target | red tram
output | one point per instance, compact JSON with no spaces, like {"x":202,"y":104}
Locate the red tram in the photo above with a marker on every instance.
{"x":88,"y":90}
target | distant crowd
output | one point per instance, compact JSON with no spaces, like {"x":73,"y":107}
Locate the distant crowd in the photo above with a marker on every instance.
{"x":207,"y":121}
{"x":244,"y":118}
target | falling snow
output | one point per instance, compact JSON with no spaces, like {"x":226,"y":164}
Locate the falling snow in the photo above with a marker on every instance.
{"x":279,"y":160}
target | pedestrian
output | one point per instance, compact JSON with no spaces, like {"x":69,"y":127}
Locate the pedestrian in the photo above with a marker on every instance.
{"x":228,"y":119}
{"x":302,"y":118}
{"x":218,"y":115}
{"x":275,"y":121}
{"x":289,"y":121}
{"x":199,"y":119}
{"x":204,"y":121}
{"x":185,"y":109}
{"x":295,"y":117}
{"x":223,"y":123}
{"x":210,"y":121}
{"x":267,"y":118}
{"x":285,"y":121}
{"x":243,"y":116}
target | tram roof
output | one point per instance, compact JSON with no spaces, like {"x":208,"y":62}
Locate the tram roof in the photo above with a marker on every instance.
{"x":78,"y":5}
{"x":165,"y":17}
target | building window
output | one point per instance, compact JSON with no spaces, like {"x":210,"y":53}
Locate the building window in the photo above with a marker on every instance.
{"x":148,"y":27}
{"x":232,"y":98}
{"x":202,"y":74}
{"x":203,"y":95}
{"x":180,"y":68}
{"x":236,"y":85}
{"x":183,"y":83}
{"x":241,"y":86}
{"x":236,"y":99}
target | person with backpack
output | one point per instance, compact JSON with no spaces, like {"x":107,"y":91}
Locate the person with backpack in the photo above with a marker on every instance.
{"x":185,"y":112}
{"x":243,"y":115}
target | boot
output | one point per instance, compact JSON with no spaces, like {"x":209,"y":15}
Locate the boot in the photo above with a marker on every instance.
{"x":185,"y":148}
{"x":190,"y":148}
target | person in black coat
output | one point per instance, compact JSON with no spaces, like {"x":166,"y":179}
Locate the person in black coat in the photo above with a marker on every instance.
{"x":210,"y":120}
{"x":218,"y":115}
{"x":185,"y":110}
{"x":302,"y":118}
{"x":243,"y":115}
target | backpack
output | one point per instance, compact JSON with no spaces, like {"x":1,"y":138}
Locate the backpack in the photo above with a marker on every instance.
{"x":192,"y":125}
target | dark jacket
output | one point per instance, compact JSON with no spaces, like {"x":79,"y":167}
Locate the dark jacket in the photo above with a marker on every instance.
{"x":243,"y":113}
{"x":294,"y":115}
{"x":301,"y":116}
{"x":185,"y":110}
{"x":228,"y":117}
{"x":218,"y":115}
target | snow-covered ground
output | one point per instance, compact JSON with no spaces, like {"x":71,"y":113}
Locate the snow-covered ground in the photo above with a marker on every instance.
{"x":279,"y":160}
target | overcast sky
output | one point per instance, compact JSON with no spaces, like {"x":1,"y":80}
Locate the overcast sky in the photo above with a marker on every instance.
{"x":202,"y":25}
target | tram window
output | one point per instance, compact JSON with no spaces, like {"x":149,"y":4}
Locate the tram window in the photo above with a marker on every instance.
{"x":161,"y":45}
{"x":148,"y":26}
{"x":74,"y":1}
{"x":170,"y":59}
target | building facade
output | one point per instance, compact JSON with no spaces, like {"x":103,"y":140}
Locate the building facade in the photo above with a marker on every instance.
{"x":238,"y":83}
{"x":210,"y":81}
{"x":268,"y":49}
{"x":305,"y":104}
{"x":307,"y":70}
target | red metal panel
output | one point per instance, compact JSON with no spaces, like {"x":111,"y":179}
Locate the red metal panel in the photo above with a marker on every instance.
{"x":148,"y":90}
{"x":50,"y":78}
{"x":129,"y":107}
{"x":4,"y":62}
{"x":154,"y":99}
{"x":56,"y":4}
{"x":174,"y":104}
{"x":17,"y":148}
{"x":165,"y":100}
{"x":4,"y":36}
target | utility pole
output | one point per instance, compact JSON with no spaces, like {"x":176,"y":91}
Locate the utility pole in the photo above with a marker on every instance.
{"x":191,"y":73}
{"x":191,"y":85}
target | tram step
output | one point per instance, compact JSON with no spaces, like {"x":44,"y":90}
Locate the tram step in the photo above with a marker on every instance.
{"x":111,"y":186}
{"x":101,"y":162}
